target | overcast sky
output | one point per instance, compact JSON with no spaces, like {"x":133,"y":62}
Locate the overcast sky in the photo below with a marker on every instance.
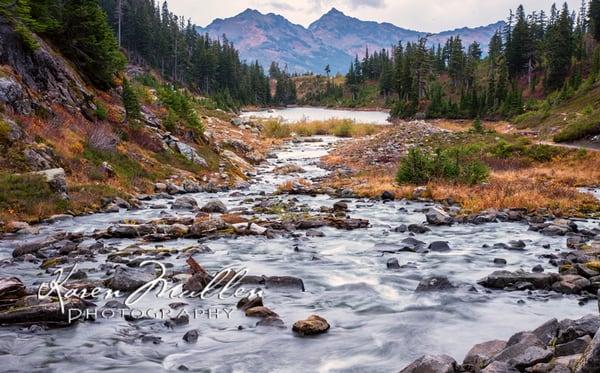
{"x":421,"y":15}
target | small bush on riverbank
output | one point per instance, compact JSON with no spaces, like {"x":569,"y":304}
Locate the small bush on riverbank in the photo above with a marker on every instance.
{"x":458,"y":165}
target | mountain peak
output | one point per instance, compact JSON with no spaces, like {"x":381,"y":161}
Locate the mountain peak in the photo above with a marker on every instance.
{"x":334,"y":12}
{"x":250,"y":12}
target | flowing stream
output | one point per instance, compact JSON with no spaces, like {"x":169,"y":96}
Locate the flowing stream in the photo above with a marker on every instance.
{"x":378,"y":323}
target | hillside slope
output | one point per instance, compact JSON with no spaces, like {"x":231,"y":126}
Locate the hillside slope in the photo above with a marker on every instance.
{"x":567,"y":117}
{"x":65,"y":146}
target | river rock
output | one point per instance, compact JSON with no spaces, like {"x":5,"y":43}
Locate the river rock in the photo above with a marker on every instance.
{"x":185,"y":203}
{"x":437,"y":216}
{"x":411,"y":244}
{"x":479,"y":354}
{"x":11,"y":288}
{"x":129,"y":279}
{"x":572,"y":329}
{"x":249,"y":229}
{"x":313,"y":325}
{"x":191,"y":336}
{"x":505,"y":279}
{"x":260,"y":311}
{"x":246,"y":303}
{"x":42,"y":312}
{"x":547,"y":331}
{"x":271,"y":321}
{"x":590,"y":361}
{"x":530,"y":357}
{"x":214,"y":206}
{"x":197,"y":282}
{"x":576,"y":346}
{"x":571,"y":284}
{"x":347,"y":223}
{"x":418,"y":228}
{"x":393,"y":264}
{"x":439,"y":246}
{"x":388,"y":196}
{"x":499,"y":367}
{"x":340,"y":206}
{"x":432,"y":364}
{"x":438,"y":283}
{"x":558,"y":227}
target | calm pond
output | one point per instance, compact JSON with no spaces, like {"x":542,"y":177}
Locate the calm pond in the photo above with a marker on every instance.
{"x":298,"y":114}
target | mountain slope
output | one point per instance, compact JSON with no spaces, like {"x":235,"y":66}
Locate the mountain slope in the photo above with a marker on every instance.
{"x":333,"y":39}
{"x":271,"y":37}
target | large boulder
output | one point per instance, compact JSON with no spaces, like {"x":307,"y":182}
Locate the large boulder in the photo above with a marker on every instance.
{"x":185,"y":203}
{"x":214,"y":206}
{"x":432,"y":364}
{"x":590,"y":361}
{"x":507,"y":279}
{"x":129,"y":279}
{"x":571,"y":284}
{"x":57,"y":179}
{"x":481,"y":353}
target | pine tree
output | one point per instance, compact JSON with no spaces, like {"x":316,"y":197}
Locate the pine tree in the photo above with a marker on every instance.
{"x":594,"y":18}
{"x":130,"y":102}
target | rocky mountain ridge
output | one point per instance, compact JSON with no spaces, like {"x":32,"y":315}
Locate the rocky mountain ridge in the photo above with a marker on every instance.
{"x":333,"y":39}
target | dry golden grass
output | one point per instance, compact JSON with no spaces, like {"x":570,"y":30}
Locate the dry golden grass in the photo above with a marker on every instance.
{"x":549,"y":186}
{"x":274,"y":128}
{"x":290,"y":185}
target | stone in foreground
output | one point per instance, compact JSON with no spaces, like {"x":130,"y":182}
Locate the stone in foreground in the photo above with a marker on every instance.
{"x":313,"y":325}
{"x":432,"y":364}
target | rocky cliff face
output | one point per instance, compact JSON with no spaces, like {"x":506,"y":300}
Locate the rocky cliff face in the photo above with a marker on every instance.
{"x":34,"y":79}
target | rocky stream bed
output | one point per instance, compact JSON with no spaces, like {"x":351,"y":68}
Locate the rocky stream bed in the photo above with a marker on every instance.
{"x":347,"y":284}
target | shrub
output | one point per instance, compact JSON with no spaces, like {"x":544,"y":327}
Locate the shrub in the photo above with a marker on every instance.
{"x":101,"y":112}
{"x":541,"y":152}
{"x":181,"y":104}
{"x":273,"y":128}
{"x":458,"y":164}
{"x":478,"y":126}
{"x":343,"y":129}
{"x":415,"y":168}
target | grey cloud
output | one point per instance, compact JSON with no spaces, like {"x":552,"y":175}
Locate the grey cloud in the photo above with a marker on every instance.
{"x":366,"y":3}
{"x":277,"y":5}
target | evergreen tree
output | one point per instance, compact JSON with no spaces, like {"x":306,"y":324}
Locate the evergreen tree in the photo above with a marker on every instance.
{"x":594,"y":18}
{"x":130,"y":102}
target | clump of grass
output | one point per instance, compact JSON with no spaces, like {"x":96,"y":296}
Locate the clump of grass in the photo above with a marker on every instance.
{"x":101,"y":111}
{"x":334,"y":127}
{"x":457,"y":164}
{"x":27,"y":196}
{"x":274,"y":128}
{"x":580,"y":129}
{"x":127,"y":169}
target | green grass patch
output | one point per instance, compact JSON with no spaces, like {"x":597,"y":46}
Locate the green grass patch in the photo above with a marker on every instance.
{"x":127,"y":169}
{"x":28,"y":197}
{"x":582,"y":128}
